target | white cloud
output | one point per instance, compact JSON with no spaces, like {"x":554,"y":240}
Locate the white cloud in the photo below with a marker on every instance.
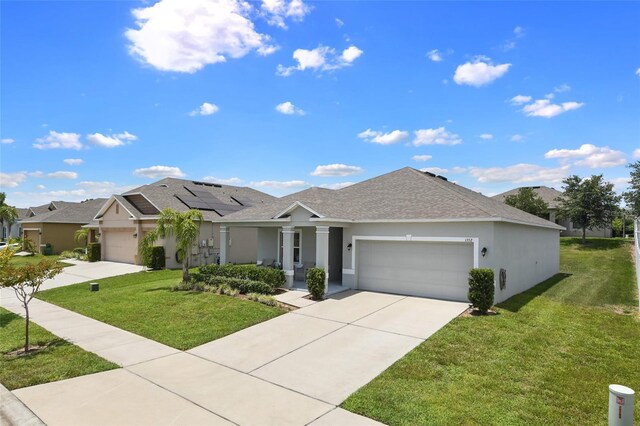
{"x":41,"y":187}
{"x":442,"y":171}
{"x":37,"y":174}
{"x":62,"y":140}
{"x":562,"y":88}
{"x":636,"y":153}
{"x":322,"y":58}
{"x":205,"y":109}
{"x":421,"y":158}
{"x":620,"y":183}
{"x":638,"y":72}
{"x":63,"y":175}
{"x":550,"y":96}
{"x":439,"y":136}
{"x":7,"y":140}
{"x":544,"y":108}
{"x":435,"y":55}
{"x":11,"y":180}
{"x":339,"y":23}
{"x":278,"y":10}
{"x":288,"y":108}
{"x":277,"y":184}
{"x":479,"y":72}
{"x":518,"y":32}
{"x":223,"y":181}
{"x":520,"y":173}
{"x":185,"y":36}
{"x":591,"y":156}
{"x":332,"y":170}
{"x":486,"y":136}
{"x":338,"y":185}
{"x":73,"y":161}
{"x":517,"y":138}
{"x":381,"y":138}
{"x":520,"y":99}
{"x":156,"y":172}
{"x":111,"y":141}
{"x":82,"y":191}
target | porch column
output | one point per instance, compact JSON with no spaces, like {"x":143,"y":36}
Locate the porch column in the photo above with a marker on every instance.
{"x":224,"y":244}
{"x":322,"y":253}
{"x":287,"y":253}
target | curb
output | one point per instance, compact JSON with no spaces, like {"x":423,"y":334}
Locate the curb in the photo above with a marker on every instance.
{"x":14,"y":413}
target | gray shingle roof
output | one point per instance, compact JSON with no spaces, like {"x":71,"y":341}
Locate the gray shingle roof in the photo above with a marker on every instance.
{"x":163,"y":193}
{"x":81,"y":213}
{"x":40,"y":209}
{"x":549,"y":195}
{"x":405,"y":194}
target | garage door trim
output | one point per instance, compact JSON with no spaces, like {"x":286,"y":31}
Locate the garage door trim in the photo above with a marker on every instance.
{"x":410,"y":238}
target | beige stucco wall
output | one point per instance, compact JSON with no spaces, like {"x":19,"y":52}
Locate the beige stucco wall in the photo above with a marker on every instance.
{"x":60,"y":236}
{"x":31,"y":232}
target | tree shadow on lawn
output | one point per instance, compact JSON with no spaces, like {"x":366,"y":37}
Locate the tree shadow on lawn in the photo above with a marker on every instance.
{"x":517,"y":302}
{"x":595,"y":243}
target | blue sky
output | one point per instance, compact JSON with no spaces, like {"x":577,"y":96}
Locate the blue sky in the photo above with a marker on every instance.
{"x":281,"y":95}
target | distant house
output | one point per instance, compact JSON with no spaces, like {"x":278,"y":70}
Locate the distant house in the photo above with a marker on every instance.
{"x":550,"y":195}
{"x":124,"y":219}
{"x":405,"y":232}
{"x":13,"y":231}
{"x":56,"y":223}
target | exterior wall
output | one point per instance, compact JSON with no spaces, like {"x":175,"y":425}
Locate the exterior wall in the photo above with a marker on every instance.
{"x":529,"y":254}
{"x":60,"y":236}
{"x":481,"y":230}
{"x":308,"y":244}
{"x":243,"y":244}
{"x":267,"y":243}
{"x":571,"y":231}
{"x":11,"y":232}
{"x":32,"y":232}
{"x":335,"y":254}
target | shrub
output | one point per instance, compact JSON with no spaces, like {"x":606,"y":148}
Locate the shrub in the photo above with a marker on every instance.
{"x":182,"y":286}
{"x":79,"y":251}
{"x":481,"y":288}
{"x":261,"y":298}
{"x":315,"y":282}
{"x":67,"y":254}
{"x":93,"y":252}
{"x":243,"y":286}
{"x":155,"y":259}
{"x":270,"y":276}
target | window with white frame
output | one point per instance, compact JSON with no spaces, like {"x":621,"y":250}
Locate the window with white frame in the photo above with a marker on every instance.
{"x":297,"y":247}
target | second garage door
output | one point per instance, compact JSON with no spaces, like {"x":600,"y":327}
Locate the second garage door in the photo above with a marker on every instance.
{"x":120,"y":246}
{"x":427,"y":269}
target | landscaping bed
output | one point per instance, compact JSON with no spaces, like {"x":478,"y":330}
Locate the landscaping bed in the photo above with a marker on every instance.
{"x":57,"y":360}
{"x":547,"y":357}
{"x":144,"y":303}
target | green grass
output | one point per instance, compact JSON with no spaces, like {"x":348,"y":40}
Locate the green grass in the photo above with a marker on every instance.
{"x":59,"y":360}
{"x":28,"y":260}
{"x":143,"y":303}
{"x":546,"y":358}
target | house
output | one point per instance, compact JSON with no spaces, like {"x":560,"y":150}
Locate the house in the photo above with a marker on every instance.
{"x":406,"y":232}
{"x":14,"y":230}
{"x":56,"y":225}
{"x":550,"y":196}
{"x":124,"y":220}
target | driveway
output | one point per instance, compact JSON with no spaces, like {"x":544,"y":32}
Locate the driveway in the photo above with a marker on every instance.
{"x":292,"y":370}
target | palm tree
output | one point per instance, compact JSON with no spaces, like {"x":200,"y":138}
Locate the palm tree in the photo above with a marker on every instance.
{"x":80,"y":235}
{"x":8,"y":214}
{"x":184,"y":226}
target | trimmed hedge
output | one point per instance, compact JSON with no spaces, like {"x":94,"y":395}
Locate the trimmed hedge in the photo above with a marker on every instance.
{"x":93,"y":252}
{"x":481,"y":288}
{"x":315,"y":282}
{"x":156,"y":258}
{"x":243,"y":286}
{"x":270,"y":276}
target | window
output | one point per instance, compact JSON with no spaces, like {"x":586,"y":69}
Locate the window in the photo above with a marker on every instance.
{"x":297,"y":247}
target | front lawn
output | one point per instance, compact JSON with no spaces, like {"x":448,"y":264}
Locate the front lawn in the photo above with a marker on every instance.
{"x":143,"y":303}
{"x":28,"y":260}
{"x":547,"y":358}
{"x":59,"y":360}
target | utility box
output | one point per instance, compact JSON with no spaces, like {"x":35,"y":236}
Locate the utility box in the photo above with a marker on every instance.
{"x":94,"y":286}
{"x":620,"y":405}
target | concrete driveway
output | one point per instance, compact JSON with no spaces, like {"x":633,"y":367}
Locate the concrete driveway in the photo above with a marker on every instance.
{"x":292,"y":370}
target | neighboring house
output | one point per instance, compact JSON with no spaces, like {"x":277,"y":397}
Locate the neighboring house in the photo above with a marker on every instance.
{"x":550,"y":195}
{"x":58,"y":223}
{"x":405,"y":232}
{"x":14,"y":231}
{"x":124,"y":219}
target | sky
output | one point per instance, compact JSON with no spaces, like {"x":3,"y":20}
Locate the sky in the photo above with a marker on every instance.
{"x":99,"y":97}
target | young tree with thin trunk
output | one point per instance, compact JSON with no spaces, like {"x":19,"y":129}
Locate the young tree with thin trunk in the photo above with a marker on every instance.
{"x":184,"y":227}
{"x":529,"y":201}
{"x":589,"y":203}
{"x":632,"y":195}
{"x":25,"y":282}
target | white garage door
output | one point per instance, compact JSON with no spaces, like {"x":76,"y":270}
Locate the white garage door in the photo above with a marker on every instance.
{"x":428,"y":269}
{"x":120,"y":246}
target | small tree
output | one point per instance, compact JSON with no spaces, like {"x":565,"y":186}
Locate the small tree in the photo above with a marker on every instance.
{"x":81,"y":236}
{"x":315,"y":282}
{"x":529,"y":201}
{"x":632,"y":196}
{"x":590,"y":203}
{"x":184,"y":226}
{"x":25,"y":282}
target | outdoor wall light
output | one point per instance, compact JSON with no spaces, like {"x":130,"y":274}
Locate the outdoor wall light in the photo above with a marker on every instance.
{"x":349,"y":246}
{"x":136,"y":236}
{"x":483,"y":251}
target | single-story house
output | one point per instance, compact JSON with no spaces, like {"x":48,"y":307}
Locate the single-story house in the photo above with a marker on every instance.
{"x":550,"y":196}
{"x":406,"y":232}
{"x":14,"y":230}
{"x":124,"y":220}
{"x":57,"y":226}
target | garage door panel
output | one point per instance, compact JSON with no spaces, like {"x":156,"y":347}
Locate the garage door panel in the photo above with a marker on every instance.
{"x":426,"y":269}
{"x":120,"y":246}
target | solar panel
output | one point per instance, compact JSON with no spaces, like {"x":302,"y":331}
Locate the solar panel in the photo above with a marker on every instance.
{"x":203,"y":200}
{"x":242,"y":201}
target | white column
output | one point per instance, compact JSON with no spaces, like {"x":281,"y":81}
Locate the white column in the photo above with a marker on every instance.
{"x":224,"y":244}
{"x":138,"y":238}
{"x":322,"y":252}
{"x":101,"y":240}
{"x":287,"y":253}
